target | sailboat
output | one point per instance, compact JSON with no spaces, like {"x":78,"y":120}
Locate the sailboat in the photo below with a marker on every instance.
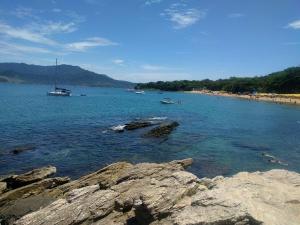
{"x":57,"y":90}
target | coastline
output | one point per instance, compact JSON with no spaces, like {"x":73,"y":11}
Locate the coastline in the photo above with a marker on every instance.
{"x":293,"y":99}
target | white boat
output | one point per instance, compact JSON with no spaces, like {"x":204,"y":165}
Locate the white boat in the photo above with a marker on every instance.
{"x":57,"y":90}
{"x":140,"y":92}
{"x":60,"y":92}
{"x":167,"y":101}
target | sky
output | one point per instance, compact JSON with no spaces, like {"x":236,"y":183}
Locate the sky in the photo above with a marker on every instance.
{"x":150,"y":40}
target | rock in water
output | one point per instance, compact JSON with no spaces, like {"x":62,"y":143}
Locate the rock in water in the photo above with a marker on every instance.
{"x":162,"y":130}
{"x":16,"y":181}
{"x":23,"y":148}
{"x":137,"y":124}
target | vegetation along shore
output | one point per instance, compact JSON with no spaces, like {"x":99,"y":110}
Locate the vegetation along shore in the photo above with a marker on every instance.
{"x":279,"y":87}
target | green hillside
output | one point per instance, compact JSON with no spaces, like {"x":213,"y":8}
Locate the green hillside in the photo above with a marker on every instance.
{"x":286,"y":81}
{"x":66,"y":74}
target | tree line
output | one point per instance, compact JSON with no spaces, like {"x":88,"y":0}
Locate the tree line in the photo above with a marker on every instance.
{"x":286,"y":81}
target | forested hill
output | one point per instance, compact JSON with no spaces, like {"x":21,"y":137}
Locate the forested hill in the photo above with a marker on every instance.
{"x":286,"y":81}
{"x":66,"y":74}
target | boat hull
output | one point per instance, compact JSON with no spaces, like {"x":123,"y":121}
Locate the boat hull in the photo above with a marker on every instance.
{"x":53,"y":93}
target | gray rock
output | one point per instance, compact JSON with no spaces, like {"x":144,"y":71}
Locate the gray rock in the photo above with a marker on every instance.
{"x":137,"y":124}
{"x":165,"y":194}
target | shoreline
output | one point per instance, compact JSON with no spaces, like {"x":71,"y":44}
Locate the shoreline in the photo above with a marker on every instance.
{"x":292,"y":99}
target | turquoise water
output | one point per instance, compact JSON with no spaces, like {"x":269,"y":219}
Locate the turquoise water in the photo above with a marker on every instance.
{"x":222,"y":135}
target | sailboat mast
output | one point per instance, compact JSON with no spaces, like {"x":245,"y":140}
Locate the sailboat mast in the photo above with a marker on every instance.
{"x":55,"y":72}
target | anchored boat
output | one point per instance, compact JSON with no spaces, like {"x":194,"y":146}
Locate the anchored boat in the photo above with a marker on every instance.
{"x":57,"y":90}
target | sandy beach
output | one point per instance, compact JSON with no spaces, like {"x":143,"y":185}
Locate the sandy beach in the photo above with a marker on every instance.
{"x":276,"y":98}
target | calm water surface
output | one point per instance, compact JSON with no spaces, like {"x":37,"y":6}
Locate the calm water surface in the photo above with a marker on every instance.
{"x":222,"y":135}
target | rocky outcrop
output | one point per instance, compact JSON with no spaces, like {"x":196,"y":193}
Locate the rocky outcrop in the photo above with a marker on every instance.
{"x":27,"y":192}
{"x":162,"y":130}
{"x":16,"y":181}
{"x":3,"y":187}
{"x":165,"y":194}
{"x":137,"y":124}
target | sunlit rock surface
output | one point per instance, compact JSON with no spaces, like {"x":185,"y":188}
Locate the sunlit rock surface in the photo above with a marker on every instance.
{"x":156,"y":194}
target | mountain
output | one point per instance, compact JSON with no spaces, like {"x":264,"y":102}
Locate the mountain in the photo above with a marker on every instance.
{"x":66,"y":75}
{"x":286,"y":81}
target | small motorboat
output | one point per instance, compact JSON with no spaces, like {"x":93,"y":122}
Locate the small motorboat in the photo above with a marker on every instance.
{"x":167,"y":101}
{"x":140,"y":92}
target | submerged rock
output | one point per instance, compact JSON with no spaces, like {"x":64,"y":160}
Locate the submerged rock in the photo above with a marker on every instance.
{"x":162,"y":130}
{"x":23,"y":148}
{"x":165,"y":194}
{"x":35,"y":175}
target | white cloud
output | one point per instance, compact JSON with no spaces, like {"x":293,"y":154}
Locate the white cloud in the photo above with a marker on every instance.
{"x":294,"y":25}
{"x":151,"y":2}
{"x":183,"y":17}
{"x":119,"y":62}
{"x":57,"y":27}
{"x":152,"y":67}
{"x":14,"y":49}
{"x":23,"y":12}
{"x":24,"y":34}
{"x":82,"y":46}
{"x":236,"y":15}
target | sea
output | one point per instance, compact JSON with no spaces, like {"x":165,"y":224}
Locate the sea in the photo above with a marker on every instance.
{"x":223,"y":135}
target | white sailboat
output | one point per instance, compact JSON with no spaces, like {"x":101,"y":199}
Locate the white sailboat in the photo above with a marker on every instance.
{"x":57,"y":90}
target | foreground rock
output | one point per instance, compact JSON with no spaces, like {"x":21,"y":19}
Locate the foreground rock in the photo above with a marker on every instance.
{"x":162,"y":130}
{"x":27,"y":192}
{"x":16,"y":181}
{"x":158,"y":194}
{"x":3,"y":187}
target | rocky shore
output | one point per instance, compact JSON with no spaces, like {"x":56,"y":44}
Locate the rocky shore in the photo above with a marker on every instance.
{"x":150,"y":194}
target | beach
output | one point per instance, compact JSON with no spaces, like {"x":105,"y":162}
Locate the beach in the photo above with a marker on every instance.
{"x":276,"y":98}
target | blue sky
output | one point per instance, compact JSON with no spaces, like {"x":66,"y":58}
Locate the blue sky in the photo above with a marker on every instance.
{"x":149,"y":40}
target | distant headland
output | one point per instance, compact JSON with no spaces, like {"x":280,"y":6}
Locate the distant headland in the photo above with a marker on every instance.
{"x":66,"y":75}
